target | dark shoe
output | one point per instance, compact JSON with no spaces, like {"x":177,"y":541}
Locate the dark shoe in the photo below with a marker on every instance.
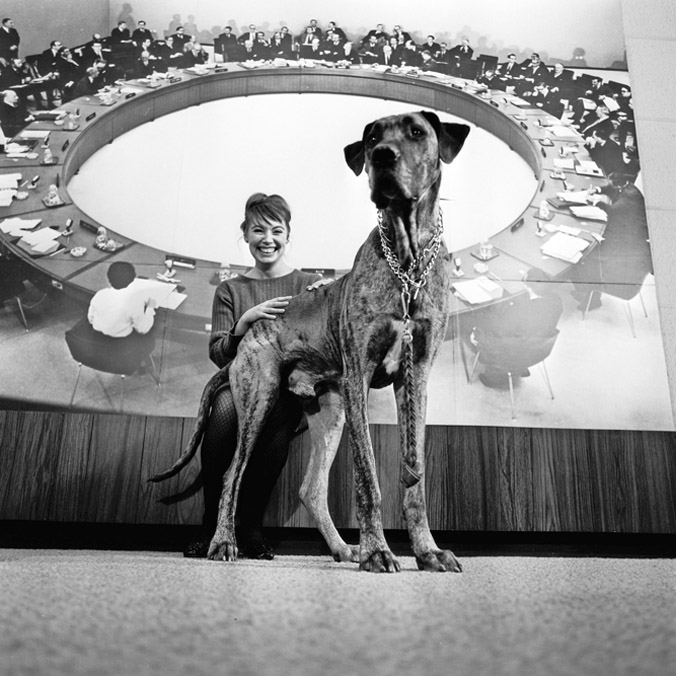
{"x":252,"y":545}
{"x":197,"y":549}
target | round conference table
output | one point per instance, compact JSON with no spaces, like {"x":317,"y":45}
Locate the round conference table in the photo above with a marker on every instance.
{"x":99,"y":121}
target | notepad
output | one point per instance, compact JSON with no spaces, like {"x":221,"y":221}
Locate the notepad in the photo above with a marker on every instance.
{"x":479,"y":290}
{"x":34,"y":133}
{"x":565,"y":247}
{"x":34,"y":238}
{"x":591,"y":213}
{"x":564,"y":163}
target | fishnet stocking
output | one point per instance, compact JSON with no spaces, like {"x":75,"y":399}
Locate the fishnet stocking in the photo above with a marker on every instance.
{"x":266,"y":462}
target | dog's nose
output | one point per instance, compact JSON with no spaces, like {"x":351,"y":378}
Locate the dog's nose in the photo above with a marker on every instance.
{"x":384,"y":156}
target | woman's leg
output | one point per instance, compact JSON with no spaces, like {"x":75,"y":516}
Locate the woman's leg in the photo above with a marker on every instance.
{"x":218,"y":449}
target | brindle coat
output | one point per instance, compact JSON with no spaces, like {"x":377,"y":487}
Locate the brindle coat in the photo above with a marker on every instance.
{"x":334,"y":343}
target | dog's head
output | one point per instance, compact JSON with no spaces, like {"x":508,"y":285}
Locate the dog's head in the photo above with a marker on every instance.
{"x":403,"y":154}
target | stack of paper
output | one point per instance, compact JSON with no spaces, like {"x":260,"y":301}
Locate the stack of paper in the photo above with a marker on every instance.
{"x":516,"y":101}
{"x":588,"y":168}
{"x":17,"y":226}
{"x":591,"y":212}
{"x":479,"y":290}
{"x":564,"y":162}
{"x":574,"y":196}
{"x":561,"y":131}
{"x":565,"y":247}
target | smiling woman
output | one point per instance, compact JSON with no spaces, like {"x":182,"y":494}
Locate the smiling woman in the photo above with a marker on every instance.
{"x":154,"y":186}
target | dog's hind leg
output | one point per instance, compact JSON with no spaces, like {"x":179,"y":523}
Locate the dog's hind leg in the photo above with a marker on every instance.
{"x":326,"y":429}
{"x":411,"y":408}
{"x":253,"y":400}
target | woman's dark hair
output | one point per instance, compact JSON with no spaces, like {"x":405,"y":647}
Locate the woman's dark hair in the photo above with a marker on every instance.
{"x":262,"y":208}
{"x":121,"y":274}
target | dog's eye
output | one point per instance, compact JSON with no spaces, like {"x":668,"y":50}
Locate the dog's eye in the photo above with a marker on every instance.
{"x":371,"y":139}
{"x":417,"y":132}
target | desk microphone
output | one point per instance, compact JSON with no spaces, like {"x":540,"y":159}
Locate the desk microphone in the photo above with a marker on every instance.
{"x":34,"y":181}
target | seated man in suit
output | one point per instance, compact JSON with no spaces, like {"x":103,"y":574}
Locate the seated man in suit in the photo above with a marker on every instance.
{"x":14,"y":115}
{"x":522,"y":319}
{"x":332,"y":49}
{"x":532,"y":70}
{"x":410,"y":56}
{"x":431,"y":46}
{"x":378,"y":33}
{"x":181,"y":38}
{"x":165,"y":50}
{"x":509,"y":71}
{"x":543,"y":97}
{"x":370,"y":51}
{"x":87,"y":85}
{"x":332,"y":30}
{"x":120,"y":35}
{"x":142,"y":33}
{"x":280,"y":48}
{"x":623,"y":259}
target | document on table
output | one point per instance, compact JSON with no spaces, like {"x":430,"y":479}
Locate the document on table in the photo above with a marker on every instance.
{"x":561,"y":131}
{"x":9,"y":180}
{"x":565,"y":247}
{"x":574,"y":196}
{"x":564,"y":162}
{"x":164,"y":293}
{"x":39,"y":237}
{"x":590,"y":212}
{"x":588,"y":168}
{"x":34,"y":133}
{"x":479,"y":290}
{"x":17,"y":226}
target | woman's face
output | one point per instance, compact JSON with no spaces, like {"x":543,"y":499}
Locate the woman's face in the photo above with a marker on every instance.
{"x":267,"y":241}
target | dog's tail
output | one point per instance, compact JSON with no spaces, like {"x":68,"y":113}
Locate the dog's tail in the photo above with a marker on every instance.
{"x":210,"y":389}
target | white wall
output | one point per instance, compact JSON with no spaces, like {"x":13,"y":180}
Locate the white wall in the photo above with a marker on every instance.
{"x":650,"y":30}
{"x":554,"y":29}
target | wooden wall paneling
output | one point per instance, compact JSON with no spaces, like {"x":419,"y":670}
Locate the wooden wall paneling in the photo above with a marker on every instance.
{"x":456,"y":104}
{"x":342,"y":505}
{"x":173,"y":99}
{"x":656,"y":456}
{"x":113,"y":470}
{"x":388,"y":456}
{"x":285,"y":507}
{"x":162,"y":444}
{"x":28,"y":445}
{"x":512,"y":502}
{"x":69,"y":477}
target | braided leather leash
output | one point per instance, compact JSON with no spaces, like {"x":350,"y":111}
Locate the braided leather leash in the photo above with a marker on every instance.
{"x":410,"y":287}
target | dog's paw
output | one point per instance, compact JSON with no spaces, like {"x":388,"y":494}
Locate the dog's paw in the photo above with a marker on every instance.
{"x":222,"y":550}
{"x":382,"y":561}
{"x":438,"y":561}
{"x":348,"y":553}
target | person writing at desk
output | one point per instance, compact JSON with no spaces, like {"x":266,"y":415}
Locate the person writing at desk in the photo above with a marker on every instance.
{"x":261,"y":293}
{"x":122,"y":310}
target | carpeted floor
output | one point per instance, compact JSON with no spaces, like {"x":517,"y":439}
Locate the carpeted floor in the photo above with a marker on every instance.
{"x":127,"y":614}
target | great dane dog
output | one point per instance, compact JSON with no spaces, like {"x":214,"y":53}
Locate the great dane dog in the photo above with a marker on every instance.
{"x":381,"y":324}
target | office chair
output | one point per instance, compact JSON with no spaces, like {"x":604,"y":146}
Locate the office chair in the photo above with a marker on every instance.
{"x":513,"y":354}
{"x":120,"y":356}
{"x":13,"y":288}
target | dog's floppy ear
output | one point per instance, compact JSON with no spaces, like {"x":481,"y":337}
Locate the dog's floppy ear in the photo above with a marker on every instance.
{"x":354,"y":153}
{"x":451,"y":136}
{"x":354,"y":156}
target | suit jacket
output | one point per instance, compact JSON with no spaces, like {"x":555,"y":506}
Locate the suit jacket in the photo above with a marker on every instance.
{"x":461,"y":52}
{"x":141,"y":34}
{"x":120,"y":35}
{"x":9,"y":43}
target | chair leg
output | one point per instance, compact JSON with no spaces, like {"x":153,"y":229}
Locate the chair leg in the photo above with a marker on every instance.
{"x":77,"y":380}
{"x":549,"y":385}
{"x":152,"y":369}
{"x":630,"y":317}
{"x":23,"y":316}
{"x":122,"y":393}
{"x":511,"y":394}
{"x":476,"y":361}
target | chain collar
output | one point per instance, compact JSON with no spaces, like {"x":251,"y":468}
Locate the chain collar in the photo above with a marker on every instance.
{"x":410,"y":284}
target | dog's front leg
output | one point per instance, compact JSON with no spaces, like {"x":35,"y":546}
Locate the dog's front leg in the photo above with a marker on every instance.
{"x":411,"y":411}
{"x":253,"y":401}
{"x":374,"y":554}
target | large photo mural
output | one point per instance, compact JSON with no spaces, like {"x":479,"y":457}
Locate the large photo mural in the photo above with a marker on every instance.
{"x":129,"y":155}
